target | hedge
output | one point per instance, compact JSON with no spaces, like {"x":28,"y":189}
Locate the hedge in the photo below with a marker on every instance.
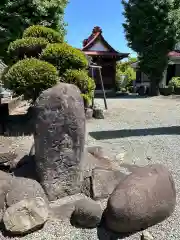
{"x":64,"y":57}
{"x":29,"y":77}
{"x":39,"y":31}
{"x":85,"y":83}
{"x":26,"y":47}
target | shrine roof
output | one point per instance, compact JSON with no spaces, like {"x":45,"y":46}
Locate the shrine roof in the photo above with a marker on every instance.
{"x":174,"y":54}
{"x":97,"y":45}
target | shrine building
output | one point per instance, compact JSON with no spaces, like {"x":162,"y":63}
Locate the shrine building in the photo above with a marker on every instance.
{"x":103,"y":55}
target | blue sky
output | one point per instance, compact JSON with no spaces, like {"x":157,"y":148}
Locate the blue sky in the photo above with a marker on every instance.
{"x":82,"y":16}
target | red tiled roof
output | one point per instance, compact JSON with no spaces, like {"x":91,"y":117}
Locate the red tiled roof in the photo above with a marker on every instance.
{"x":97,"y":35}
{"x":174,"y":54}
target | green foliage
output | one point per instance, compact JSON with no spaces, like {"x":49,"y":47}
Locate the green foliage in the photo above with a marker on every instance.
{"x":38,"y":31}
{"x":26,"y":47}
{"x":130,"y":89}
{"x":175,"y":82}
{"x":29,"y":77}
{"x":17,"y":15}
{"x":64,"y":57}
{"x":81,"y":79}
{"x":152,"y":30}
{"x":124,"y":68}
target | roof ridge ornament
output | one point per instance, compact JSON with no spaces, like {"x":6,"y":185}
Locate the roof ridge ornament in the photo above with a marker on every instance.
{"x":97,"y":30}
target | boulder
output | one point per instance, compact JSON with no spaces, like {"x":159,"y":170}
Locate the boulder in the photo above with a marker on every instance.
{"x":59,"y":140}
{"x":87,"y":213}
{"x":145,"y":198}
{"x":95,"y":157}
{"x":25,"y":216}
{"x":23,"y":188}
{"x":98,"y":113}
{"x":5,"y":180}
{"x":63,"y":208}
{"x":104,"y":182}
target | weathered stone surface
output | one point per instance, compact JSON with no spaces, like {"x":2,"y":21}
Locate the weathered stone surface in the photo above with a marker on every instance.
{"x":24,"y":188}
{"x":95,"y":157}
{"x":88,"y":213}
{"x":104,"y":182}
{"x":5,"y":180}
{"x":144,"y":198}
{"x":98,"y":113}
{"x":64,"y":207}
{"x":89,"y":113}
{"x":26,"y":216}
{"x":59,"y":140}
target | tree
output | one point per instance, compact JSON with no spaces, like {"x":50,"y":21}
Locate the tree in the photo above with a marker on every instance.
{"x":152,"y":30}
{"x":17,"y":15}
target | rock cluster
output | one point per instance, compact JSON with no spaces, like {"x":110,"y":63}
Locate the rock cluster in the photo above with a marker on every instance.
{"x":72,"y":180}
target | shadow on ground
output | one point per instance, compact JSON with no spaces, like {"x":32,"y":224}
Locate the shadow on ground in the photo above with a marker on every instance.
{"x":123,"y":133}
{"x":104,"y":233}
{"x":17,"y":125}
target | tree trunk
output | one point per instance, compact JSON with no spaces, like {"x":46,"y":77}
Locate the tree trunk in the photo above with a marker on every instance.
{"x":154,"y":87}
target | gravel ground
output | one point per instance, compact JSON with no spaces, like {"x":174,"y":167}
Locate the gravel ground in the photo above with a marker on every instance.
{"x":14,"y":140}
{"x":147,"y":130}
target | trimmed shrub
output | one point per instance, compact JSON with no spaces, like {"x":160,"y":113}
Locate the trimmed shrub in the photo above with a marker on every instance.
{"x":26,"y":47}
{"x":85,"y":83}
{"x":64,"y":57}
{"x":175,"y":82}
{"x":38,"y":31}
{"x":29,"y":77}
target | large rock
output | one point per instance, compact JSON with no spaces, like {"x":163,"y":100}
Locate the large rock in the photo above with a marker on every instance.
{"x":93,"y":185}
{"x":98,"y":113}
{"x":5,"y":180}
{"x":96,"y":157}
{"x":87,"y":213}
{"x":104,"y":182}
{"x":24,"y":188}
{"x":64,"y":207}
{"x":144,"y":198}
{"x":26,"y":216}
{"x":59,"y":140}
